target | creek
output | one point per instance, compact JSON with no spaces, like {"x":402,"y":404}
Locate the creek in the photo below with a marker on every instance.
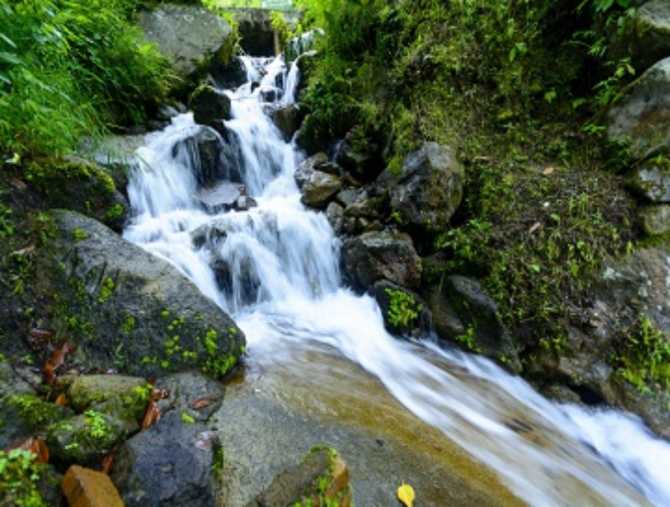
{"x":275,"y":269}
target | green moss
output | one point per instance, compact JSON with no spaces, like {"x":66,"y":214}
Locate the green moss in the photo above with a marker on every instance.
{"x":115,"y":212}
{"x":79,"y":234}
{"x":187,"y":419}
{"x":106,"y":289}
{"x":403,"y":310}
{"x":128,"y":324}
{"x":20,"y":478}
{"x":34,"y":411}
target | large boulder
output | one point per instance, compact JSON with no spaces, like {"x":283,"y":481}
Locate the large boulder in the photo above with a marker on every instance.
{"x":654,"y":220}
{"x":319,"y":188}
{"x":124,"y":308}
{"x":427,"y":191}
{"x":384,"y":255}
{"x":650,"y":180}
{"x":642,"y":115}
{"x":195,"y":38}
{"x":209,"y":105}
{"x":652,"y":31}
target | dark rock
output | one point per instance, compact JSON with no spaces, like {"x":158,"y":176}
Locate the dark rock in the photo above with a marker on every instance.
{"x":642,"y":115}
{"x":195,"y":38}
{"x":347,"y":197}
{"x":322,"y":478}
{"x":427,"y":191}
{"x":172,"y":463}
{"x":124,"y":307}
{"x":375,"y":256}
{"x":209,"y":105}
{"x":652,"y":34}
{"x":231,"y":76}
{"x":363,"y":161}
{"x":257,"y":36}
{"x":287,"y":119}
{"x":464,"y":314}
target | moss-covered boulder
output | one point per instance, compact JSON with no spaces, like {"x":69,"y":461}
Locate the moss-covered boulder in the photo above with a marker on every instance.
{"x":78,"y":185}
{"x":652,"y":30}
{"x":123,"y":308}
{"x":209,"y":105}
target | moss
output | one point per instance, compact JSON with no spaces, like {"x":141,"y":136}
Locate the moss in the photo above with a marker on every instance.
{"x":20,"y":479}
{"x":106,"y":289}
{"x":34,"y":411}
{"x":79,"y":234}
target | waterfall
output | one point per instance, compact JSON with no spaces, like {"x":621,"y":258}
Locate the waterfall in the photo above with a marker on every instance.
{"x":274,"y":267}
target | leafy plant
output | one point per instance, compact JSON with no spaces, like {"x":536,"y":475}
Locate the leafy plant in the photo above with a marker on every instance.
{"x":403,"y":310}
{"x":20,"y":475}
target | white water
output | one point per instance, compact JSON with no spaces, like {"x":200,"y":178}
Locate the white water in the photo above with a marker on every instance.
{"x":283,"y":285}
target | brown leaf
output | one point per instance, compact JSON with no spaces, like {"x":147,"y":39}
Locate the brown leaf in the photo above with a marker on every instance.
{"x":40,"y":450}
{"x":202,"y":403}
{"x":108,"y":464}
{"x":152,"y":415}
{"x":534,"y":227}
{"x":18,"y":184}
{"x":547,"y":171}
{"x":61,"y":401}
{"x":40,"y":334}
{"x":160,"y":394}
{"x":57,"y":360}
{"x":25,"y":250}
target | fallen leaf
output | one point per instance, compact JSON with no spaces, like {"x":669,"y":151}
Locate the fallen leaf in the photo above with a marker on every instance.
{"x":202,"y":403}
{"x":57,"y":360}
{"x":25,"y":250}
{"x":152,"y":415}
{"x":406,"y":495}
{"x":40,"y":450}
{"x":18,"y":184}
{"x":534,"y":227}
{"x":107,"y":464}
{"x":61,"y":401}
{"x":547,"y":171}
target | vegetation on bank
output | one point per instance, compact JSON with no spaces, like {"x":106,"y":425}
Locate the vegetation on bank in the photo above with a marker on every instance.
{"x":519,"y":88}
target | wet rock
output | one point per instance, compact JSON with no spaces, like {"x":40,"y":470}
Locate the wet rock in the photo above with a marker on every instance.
{"x":652,"y":34}
{"x":218,"y":158}
{"x":221,"y":197}
{"x":375,"y":256}
{"x":287,"y":119}
{"x":651,"y":181}
{"x":642,"y":115}
{"x":464,"y":314}
{"x":209,"y":105}
{"x":306,"y":168}
{"x":231,"y":76}
{"x":319,"y":188}
{"x":88,"y":488}
{"x":322,"y":478}
{"x":427,"y":191}
{"x":335,"y":215}
{"x":172,"y":463}
{"x":655,"y":220}
{"x":194,"y":38}
{"x":132,"y":310}
{"x":191,"y":393}
{"x":403,"y":310}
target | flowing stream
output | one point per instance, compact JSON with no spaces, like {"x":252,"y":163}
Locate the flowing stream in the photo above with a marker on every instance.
{"x":280,"y":282}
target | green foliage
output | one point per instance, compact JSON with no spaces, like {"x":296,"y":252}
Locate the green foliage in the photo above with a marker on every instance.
{"x":644,"y":358}
{"x":70,"y":68}
{"x":187,"y":419}
{"x":20,"y":475}
{"x":403,"y":310}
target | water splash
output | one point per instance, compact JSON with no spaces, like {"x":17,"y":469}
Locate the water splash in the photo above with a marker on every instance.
{"x":275,"y":267}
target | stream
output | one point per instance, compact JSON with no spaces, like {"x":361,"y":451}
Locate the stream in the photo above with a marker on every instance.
{"x":281,"y":283}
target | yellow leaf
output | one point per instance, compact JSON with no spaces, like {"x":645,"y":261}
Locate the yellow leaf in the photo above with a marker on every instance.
{"x":406,"y":495}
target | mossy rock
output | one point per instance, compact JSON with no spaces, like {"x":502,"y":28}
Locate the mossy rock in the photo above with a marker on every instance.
{"x":126,"y":309}
{"x":79,"y":186}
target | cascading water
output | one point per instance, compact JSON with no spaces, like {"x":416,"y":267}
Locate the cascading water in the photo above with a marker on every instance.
{"x":276,"y":271}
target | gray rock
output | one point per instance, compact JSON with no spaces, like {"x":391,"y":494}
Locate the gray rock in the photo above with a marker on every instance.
{"x":335,"y":215}
{"x":427,"y":191}
{"x":652,"y":31}
{"x":173,"y":463}
{"x":191,"y":393}
{"x":655,"y":220}
{"x":221,"y":197}
{"x":307,"y":167}
{"x":194,"y":37}
{"x":375,"y":256}
{"x":209,"y":105}
{"x":125,"y":308}
{"x":362,"y":161}
{"x":642,"y":115}
{"x":651,"y":180}
{"x":347,"y":197}
{"x":319,"y":188}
